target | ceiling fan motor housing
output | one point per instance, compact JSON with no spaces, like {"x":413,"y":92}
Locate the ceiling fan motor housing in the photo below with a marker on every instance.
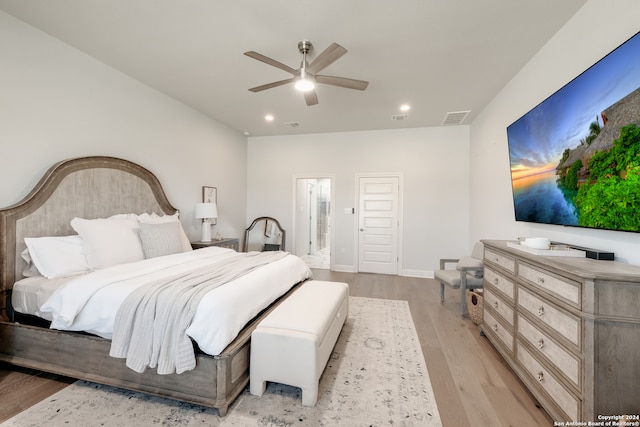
{"x":305,"y":46}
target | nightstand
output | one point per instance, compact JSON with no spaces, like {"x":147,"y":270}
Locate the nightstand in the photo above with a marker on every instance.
{"x":226,"y":242}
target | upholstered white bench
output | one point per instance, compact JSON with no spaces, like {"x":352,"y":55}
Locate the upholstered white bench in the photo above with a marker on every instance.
{"x":293,"y":343}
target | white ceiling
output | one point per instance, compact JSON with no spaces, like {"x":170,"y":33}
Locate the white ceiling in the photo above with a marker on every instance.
{"x":439,"y":56}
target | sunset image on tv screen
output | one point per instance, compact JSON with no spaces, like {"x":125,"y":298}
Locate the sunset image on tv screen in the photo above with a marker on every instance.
{"x":575,"y":158}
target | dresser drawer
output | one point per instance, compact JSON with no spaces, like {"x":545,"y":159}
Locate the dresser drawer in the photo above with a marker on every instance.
{"x":498,"y":305}
{"x":504,"y":261}
{"x":561,"y":358}
{"x":563,"y":323}
{"x":500,"y":282}
{"x":562,"y":397}
{"x":564,"y":289}
{"x":496,"y":328}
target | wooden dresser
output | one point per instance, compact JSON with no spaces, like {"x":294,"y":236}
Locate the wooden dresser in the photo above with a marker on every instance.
{"x":569,"y":327}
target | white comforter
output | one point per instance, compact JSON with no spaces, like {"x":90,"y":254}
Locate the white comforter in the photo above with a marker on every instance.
{"x":90,"y":302}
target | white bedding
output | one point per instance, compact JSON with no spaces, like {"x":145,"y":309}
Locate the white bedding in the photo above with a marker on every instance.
{"x":30,"y":293}
{"x":90,"y":302}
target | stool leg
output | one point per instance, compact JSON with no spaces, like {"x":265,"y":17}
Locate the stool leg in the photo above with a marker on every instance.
{"x":463,"y":300}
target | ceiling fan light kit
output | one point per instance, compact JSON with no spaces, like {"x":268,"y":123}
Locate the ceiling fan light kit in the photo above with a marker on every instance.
{"x":304,"y":83}
{"x":305,"y":77}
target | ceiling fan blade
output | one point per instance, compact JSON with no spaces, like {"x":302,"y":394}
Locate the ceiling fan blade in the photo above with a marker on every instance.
{"x":326,"y":58}
{"x":311,"y":98}
{"x":270,"y":85}
{"x":342,"y":82}
{"x":272,"y":62}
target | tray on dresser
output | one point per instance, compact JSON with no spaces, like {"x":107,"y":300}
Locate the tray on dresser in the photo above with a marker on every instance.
{"x":554,"y":250}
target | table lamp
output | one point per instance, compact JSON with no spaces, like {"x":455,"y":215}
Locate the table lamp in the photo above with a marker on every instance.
{"x":207,"y":212}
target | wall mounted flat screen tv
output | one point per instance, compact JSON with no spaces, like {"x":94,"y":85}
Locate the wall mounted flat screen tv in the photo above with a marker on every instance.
{"x":575,"y":157}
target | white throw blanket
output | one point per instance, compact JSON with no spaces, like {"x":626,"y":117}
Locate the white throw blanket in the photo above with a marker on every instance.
{"x":151,"y":324}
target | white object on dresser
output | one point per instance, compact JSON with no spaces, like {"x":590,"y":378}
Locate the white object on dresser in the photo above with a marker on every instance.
{"x":537,"y":242}
{"x":553,"y":250}
{"x":569,"y":328}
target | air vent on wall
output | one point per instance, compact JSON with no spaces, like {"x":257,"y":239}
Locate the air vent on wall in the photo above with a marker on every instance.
{"x":455,"y":117}
{"x":399,"y":117}
{"x":292,"y":124}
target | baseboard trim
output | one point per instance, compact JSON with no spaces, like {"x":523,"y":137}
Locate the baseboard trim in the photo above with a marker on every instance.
{"x":424,"y":274}
{"x":344,"y":268}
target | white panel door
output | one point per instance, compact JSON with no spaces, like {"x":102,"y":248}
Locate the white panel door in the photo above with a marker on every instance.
{"x":378,"y":225}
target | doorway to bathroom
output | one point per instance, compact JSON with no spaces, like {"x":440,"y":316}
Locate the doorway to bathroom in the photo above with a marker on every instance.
{"x":313,"y":215}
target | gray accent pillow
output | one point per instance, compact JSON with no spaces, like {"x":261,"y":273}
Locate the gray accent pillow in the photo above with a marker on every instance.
{"x":160,"y":239}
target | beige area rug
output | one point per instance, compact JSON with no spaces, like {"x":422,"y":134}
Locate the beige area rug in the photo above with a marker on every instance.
{"x":376,"y":376}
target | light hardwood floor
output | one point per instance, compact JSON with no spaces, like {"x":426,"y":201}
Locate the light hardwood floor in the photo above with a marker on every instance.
{"x":472,"y":384}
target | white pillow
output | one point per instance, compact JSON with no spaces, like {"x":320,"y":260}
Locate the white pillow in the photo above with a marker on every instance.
{"x":57,"y":256}
{"x":157,"y":219}
{"x":109,"y":241}
{"x":30,"y":270}
{"x":124,"y":216}
{"x":160,"y":239}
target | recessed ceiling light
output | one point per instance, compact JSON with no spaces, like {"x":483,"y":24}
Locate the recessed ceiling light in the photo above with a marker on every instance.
{"x":247,"y":133}
{"x":405,"y":107}
{"x":268,"y":118}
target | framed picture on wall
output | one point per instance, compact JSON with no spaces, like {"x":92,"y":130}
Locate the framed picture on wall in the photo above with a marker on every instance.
{"x":209,"y":194}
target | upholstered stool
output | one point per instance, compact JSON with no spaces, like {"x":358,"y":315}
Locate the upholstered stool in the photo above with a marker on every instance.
{"x":293,"y":343}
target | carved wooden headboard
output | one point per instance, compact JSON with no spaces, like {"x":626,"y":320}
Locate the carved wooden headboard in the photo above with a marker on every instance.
{"x":87,"y":187}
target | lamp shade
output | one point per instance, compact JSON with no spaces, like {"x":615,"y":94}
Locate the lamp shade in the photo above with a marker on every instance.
{"x":206,"y":210}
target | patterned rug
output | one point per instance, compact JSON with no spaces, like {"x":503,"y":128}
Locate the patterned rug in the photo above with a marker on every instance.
{"x":376,"y":376}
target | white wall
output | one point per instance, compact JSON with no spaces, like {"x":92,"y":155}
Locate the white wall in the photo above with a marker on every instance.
{"x":433,"y":163}
{"x":598,"y":28}
{"x":58,"y":103}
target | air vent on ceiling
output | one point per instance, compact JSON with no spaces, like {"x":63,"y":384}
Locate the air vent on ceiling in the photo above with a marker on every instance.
{"x":292,"y":124}
{"x":399,"y":117}
{"x":455,"y":117}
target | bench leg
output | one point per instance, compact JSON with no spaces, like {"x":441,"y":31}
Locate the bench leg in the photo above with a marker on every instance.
{"x":441,"y":292}
{"x":257,"y":387}
{"x":310,"y":395}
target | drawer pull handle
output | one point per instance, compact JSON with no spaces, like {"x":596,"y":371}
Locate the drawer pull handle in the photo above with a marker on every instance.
{"x":541,"y":280}
{"x":541,"y":311}
{"x":541,"y":343}
{"x":495,"y":304}
{"x":496,"y":281}
{"x":540,"y":376}
{"x":495,"y":328}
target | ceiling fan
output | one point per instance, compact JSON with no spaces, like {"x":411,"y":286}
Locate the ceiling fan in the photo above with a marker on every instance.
{"x":306,"y":76}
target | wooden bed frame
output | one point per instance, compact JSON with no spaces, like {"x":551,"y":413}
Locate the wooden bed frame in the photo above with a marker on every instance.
{"x":94,"y":187}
